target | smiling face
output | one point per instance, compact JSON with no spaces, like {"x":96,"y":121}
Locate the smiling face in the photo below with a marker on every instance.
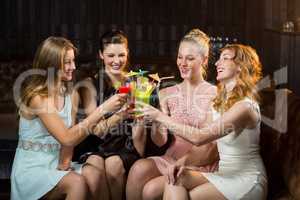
{"x":68,"y":65}
{"x":115,"y":57}
{"x":227,"y":69}
{"x":190,"y":60}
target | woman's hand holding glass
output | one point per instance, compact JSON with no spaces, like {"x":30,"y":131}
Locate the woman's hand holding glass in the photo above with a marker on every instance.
{"x":114,"y":103}
{"x":147,"y":112}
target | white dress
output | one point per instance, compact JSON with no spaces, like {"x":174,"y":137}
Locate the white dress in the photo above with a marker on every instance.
{"x":34,"y":170}
{"x":241,"y":173}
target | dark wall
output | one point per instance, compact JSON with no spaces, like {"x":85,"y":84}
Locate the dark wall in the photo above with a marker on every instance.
{"x":280,"y":49}
{"x":154,"y":27}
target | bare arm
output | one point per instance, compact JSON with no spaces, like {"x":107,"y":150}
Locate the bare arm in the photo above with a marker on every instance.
{"x":88,"y":95}
{"x":240,"y":116}
{"x":71,"y":136}
{"x":66,"y":152}
{"x":104,"y":125}
{"x":139,"y":136}
{"x":159,"y":134}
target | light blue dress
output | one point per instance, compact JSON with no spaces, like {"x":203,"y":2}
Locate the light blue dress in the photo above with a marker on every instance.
{"x":34,"y":171}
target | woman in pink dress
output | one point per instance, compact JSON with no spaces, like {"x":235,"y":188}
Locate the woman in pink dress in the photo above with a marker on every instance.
{"x":236,"y":129}
{"x":188,"y":102}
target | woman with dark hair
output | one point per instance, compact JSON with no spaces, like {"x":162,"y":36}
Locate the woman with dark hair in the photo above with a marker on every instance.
{"x":120,"y":140}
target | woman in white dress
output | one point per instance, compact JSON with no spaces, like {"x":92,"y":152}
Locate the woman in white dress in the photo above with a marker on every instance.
{"x":235,"y":127}
{"x":47,"y":111}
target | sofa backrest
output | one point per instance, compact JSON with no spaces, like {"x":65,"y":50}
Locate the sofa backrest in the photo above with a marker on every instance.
{"x":281,"y":150}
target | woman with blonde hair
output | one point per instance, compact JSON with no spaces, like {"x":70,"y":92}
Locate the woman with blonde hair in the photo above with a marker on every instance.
{"x":189,"y":103}
{"x":236,"y":128}
{"x":47,"y":109}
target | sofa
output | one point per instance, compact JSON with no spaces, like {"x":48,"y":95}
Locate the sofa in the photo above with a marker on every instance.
{"x":280,"y":148}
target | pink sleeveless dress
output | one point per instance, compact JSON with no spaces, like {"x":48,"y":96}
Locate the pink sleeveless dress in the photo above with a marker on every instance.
{"x":184,"y":109}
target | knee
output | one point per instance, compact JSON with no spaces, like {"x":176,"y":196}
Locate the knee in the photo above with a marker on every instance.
{"x":140,"y":170}
{"x":152,"y":191}
{"x":97,"y":162}
{"x":94,"y":168}
{"x":75,"y":181}
{"x":79,"y":180}
{"x":114,"y":167}
{"x":93,"y":174}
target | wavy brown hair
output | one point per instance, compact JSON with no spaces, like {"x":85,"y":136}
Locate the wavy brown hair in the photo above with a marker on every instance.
{"x":49,"y":58}
{"x":248,"y":60}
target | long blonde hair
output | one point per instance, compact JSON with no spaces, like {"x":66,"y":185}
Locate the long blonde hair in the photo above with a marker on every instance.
{"x":203,"y":42}
{"x":248,"y":60}
{"x":49,"y":56}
